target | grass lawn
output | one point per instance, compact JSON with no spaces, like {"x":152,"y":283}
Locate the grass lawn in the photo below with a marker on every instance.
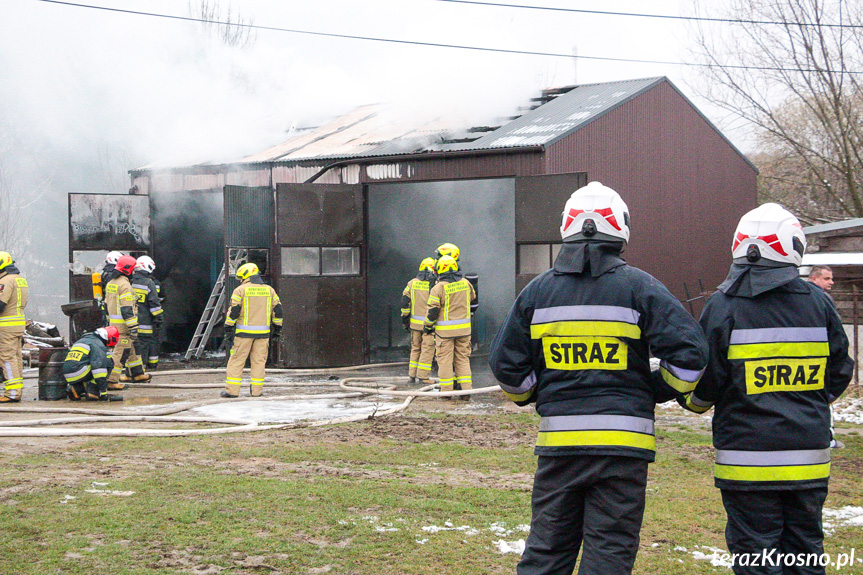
{"x":421,"y":493}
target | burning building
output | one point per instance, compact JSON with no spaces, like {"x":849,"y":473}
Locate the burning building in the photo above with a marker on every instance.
{"x":338,"y":217}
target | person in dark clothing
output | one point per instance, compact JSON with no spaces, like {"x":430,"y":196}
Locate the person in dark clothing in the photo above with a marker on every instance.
{"x":577,"y":343}
{"x":150,"y":314}
{"x":87,"y":365}
{"x":778,"y":357}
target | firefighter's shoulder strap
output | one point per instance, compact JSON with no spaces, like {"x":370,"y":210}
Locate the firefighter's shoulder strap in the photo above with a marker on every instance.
{"x":209,"y":318}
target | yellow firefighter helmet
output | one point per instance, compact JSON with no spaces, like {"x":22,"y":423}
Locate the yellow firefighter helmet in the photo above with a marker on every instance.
{"x":5,"y":260}
{"x":428,"y":264}
{"x":447,"y":264}
{"x":246,"y":271}
{"x":448,"y":250}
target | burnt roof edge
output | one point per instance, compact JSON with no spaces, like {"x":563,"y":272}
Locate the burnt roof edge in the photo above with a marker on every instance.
{"x":344,"y":161}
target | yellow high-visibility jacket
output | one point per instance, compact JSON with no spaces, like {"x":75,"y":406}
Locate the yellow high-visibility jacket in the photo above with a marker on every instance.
{"x":122,"y":304}
{"x":13,"y":300}
{"x":254,"y":307}
{"x":449,"y":306}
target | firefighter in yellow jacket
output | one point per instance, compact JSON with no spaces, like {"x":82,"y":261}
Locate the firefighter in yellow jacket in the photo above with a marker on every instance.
{"x":414,"y":308}
{"x":13,"y":299}
{"x":451,"y":303}
{"x":122,"y":305}
{"x":255,"y":311}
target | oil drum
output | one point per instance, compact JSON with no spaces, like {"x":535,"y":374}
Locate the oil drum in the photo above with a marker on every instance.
{"x":52,"y":384}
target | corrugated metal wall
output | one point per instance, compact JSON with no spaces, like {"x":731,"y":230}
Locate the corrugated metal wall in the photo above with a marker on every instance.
{"x":685,"y":186}
{"x":249,"y":217}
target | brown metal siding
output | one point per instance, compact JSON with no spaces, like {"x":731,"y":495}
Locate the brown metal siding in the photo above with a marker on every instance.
{"x":686,"y":187}
{"x":319,"y":214}
{"x":324,"y":316}
{"x":538,"y":205}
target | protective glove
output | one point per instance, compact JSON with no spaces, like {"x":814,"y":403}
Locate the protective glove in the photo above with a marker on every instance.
{"x":275,"y":332}
{"x":229,"y":337}
{"x":428,"y":328}
{"x":133,"y":334}
{"x":406,"y":322}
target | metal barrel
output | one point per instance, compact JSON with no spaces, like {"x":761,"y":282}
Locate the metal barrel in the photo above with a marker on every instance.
{"x":52,"y":384}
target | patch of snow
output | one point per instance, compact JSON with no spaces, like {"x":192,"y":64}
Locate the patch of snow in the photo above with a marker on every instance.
{"x":422,"y":541}
{"x":845,"y":516}
{"x":717,"y":557}
{"x":849,"y":410}
{"x":448,"y":526}
{"x":680,"y":548}
{"x":510,"y":546}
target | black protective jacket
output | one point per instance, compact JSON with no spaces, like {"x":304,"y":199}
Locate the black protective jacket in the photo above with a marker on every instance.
{"x":778,"y":356}
{"x":87,"y":359}
{"x":149,"y":305}
{"x":577,"y":342}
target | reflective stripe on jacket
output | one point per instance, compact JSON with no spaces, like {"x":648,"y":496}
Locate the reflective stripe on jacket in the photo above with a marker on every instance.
{"x":417,"y":294}
{"x":254,"y":307}
{"x":122,"y":304}
{"x":88,"y":357}
{"x":14,"y":294}
{"x":777,"y":360}
{"x":149,"y":306}
{"x":577,"y":342}
{"x":449,"y":307}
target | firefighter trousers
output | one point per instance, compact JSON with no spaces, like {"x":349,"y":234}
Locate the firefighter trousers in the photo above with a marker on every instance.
{"x":148,"y":348}
{"x":125,"y":355}
{"x":453,"y":361}
{"x":86,"y":386}
{"x":11,"y":362}
{"x":594,"y":501}
{"x":760,"y":522}
{"x":256,"y":351}
{"x":422,"y":354}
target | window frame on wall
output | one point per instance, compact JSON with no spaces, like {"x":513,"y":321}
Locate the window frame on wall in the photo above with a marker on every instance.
{"x":356,"y":264}
{"x":551,"y":250}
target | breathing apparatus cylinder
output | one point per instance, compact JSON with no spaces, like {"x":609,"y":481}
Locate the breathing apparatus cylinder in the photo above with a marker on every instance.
{"x":96,"y":278}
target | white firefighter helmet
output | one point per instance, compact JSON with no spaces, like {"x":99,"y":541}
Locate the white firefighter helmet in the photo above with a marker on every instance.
{"x":145,"y":263}
{"x":112,"y":257}
{"x":595,"y":211}
{"x":770,"y":232}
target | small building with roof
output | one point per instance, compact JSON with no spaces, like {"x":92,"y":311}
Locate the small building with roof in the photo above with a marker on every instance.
{"x":339,"y":216}
{"x":839,"y":246}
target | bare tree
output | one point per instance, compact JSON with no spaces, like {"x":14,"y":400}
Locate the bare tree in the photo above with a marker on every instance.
{"x":793,"y":69}
{"x":230,"y":26}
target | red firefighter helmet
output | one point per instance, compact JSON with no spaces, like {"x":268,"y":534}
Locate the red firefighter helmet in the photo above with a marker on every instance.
{"x":110,"y":335}
{"x":126,"y":265}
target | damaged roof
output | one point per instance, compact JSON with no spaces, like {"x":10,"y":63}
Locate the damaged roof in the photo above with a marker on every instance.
{"x":366,"y":131}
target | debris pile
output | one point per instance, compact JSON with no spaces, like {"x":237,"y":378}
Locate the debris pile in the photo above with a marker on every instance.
{"x":38,"y":335}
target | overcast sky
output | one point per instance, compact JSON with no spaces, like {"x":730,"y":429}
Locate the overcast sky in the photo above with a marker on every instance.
{"x":87,"y":94}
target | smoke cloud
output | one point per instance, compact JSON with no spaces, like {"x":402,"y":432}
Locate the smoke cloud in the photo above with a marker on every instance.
{"x":88,"y":94}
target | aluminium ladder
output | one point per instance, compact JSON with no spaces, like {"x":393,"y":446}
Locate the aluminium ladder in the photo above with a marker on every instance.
{"x":209,"y":318}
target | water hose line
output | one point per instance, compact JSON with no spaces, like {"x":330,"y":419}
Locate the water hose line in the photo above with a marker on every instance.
{"x":352,"y":387}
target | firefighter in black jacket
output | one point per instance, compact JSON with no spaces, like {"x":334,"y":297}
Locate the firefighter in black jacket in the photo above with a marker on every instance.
{"x":577,"y":343}
{"x":778,"y":357}
{"x":87,"y":364}
{"x":150,"y":312}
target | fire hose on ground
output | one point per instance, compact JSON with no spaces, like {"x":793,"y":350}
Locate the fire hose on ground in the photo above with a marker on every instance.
{"x":351,"y":387}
